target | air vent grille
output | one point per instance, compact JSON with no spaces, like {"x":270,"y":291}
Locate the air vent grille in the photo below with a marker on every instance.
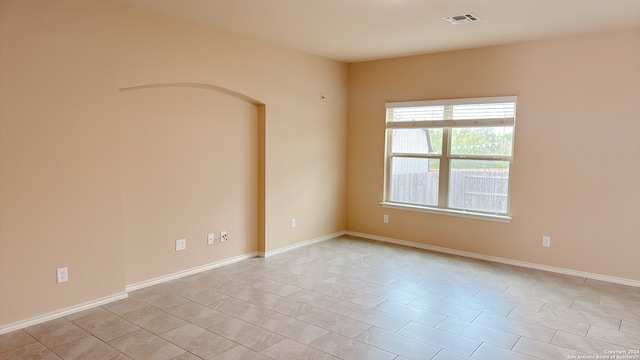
{"x":457,"y":19}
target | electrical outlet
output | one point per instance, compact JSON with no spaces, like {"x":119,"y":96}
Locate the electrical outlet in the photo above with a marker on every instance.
{"x":292,"y":223}
{"x":385,"y":218}
{"x":210,"y":238}
{"x":63,"y":275}
{"x":181,"y":244}
{"x":223,"y":236}
{"x":546,"y":241}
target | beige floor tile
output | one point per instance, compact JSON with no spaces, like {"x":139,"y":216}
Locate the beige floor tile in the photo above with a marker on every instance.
{"x":491,"y":352}
{"x":15,"y":339}
{"x":448,"y":355}
{"x":346,"y":348}
{"x":369,"y":316}
{"x":198,"y":314}
{"x":451,"y":287}
{"x":350,"y":295}
{"x":290,"y":350}
{"x":487,"y":305}
{"x":542,"y":296}
{"x":344,"y":281}
{"x":368,"y":276}
{"x":154,"y":320}
{"x":465,"y":279}
{"x":124,"y":306}
{"x":56,"y":332}
{"x":630,"y":327}
{"x":244,"y":310}
{"x":198,"y":341}
{"x":581,"y":344}
{"x":239,"y":353}
{"x":398,"y":344}
{"x":606,"y":310}
{"x":531,"y":331}
{"x":536,"y":318}
{"x":158,"y":298}
{"x":387,"y":292}
{"x":439,"y":338}
{"x":481,"y":333}
{"x":525,"y":303}
{"x":292,"y":328}
{"x":243,"y":333}
{"x":280,"y":304}
{"x":615,"y":337}
{"x":239,"y":291}
{"x":571,"y":291}
{"x":32,"y":351}
{"x":544,"y":350}
{"x":334,"y":322}
{"x":424,"y":290}
{"x":316,"y":299}
{"x":104,"y":325}
{"x":412,"y":313}
{"x":187,"y":356}
{"x":581,"y":316}
{"x":448,"y":309}
{"x":203,"y":294}
{"x":276,"y":287}
{"x":145,"y":345}
{"x":88,"y":347}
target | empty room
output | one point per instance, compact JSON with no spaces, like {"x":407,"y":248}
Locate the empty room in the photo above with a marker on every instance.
{"x":343,"y":179}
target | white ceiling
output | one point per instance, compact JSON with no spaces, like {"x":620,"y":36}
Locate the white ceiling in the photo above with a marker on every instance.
{"x":358,"y":30}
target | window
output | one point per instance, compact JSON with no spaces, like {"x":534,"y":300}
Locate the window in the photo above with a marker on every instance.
{"x":450,"y":156}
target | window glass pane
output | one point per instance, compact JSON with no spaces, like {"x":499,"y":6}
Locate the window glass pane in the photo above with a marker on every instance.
{"x":417,"y":113}
{"x":416,"y":141}
{"x":414,"y":181}
{"x":482,"y":141}
{"x":479,"y":185}
{"x":484,"y":111}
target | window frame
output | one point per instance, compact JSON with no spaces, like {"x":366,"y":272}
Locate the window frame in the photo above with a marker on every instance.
{"x":445,"y":156}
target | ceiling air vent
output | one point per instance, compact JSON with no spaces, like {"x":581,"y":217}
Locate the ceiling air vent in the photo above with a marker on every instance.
{"x":458,"y":19}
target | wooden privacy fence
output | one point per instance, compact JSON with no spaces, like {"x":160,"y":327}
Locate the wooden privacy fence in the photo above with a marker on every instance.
{"x":476,"y":189}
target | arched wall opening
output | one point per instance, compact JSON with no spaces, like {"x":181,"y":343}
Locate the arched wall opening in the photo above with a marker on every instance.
{"x":192,"y":165}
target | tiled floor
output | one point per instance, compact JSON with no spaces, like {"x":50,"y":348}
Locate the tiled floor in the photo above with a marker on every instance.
{"x":350,"y":298}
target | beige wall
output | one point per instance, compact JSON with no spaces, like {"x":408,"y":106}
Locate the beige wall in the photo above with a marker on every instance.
{"x":190,"y":168}
{"x":575,"y":174}
{"x":71,"y":143}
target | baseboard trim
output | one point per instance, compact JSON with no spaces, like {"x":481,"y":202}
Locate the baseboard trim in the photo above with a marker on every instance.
{"x":300,"y":244}
{"x":192,"y":271}
{"x":60,"y":313}
{"x":588,"y":275}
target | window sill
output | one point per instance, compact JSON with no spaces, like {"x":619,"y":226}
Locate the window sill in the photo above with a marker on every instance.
{"x":450,"y":212}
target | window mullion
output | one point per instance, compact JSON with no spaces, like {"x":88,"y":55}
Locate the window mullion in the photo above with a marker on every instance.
{"x":443,"y":180}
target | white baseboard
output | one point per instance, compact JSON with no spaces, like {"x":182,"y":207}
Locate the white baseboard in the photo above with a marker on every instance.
{"x":611,"y":279}
{"x":60,"y":313}
{"x":300,"y":244}
{"x":192,"y":271}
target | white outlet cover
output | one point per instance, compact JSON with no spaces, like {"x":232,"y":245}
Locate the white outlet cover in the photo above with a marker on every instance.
{"x":62,"y":274}
{"x":546,"y":241}
{"x":181,"y":244}
{"x":210,"y":239}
